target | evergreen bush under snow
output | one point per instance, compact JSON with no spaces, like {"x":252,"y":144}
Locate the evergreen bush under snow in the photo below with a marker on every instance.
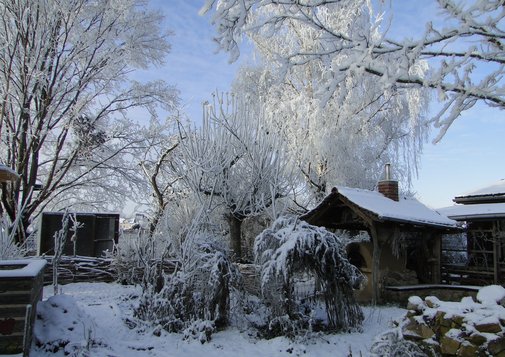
{"x":306,"y":278}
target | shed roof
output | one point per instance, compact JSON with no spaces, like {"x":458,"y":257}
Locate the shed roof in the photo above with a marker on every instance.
{"x":474,"y":211}
{"x":407,"y":210}
{"x":382,"y":209}
{"x":494,"y":192}
{"x":7,"y":174}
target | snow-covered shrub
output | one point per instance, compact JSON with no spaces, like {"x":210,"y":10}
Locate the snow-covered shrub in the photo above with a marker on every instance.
{"x":491,"y":295}
{"x":200,"y":330}
{"x":306,"y":278}
{"x":9,"y":249}
{"x":69,"y":224}
{"x":138,"y":253}
{"x":392,"y":344}
{"x":198,"y":292}
{"x":62,"y":326}
{"x":137,"y":257}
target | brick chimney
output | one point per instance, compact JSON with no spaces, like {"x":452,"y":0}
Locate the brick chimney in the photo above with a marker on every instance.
{"x":388,"y":187}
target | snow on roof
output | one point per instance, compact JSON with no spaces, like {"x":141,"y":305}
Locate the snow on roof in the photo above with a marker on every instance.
{"x":21,"y":268}
{"x":7,"y":174}
{"x":496,"y":188}
{"x":405,"y":210}
{"x":481,"y":210}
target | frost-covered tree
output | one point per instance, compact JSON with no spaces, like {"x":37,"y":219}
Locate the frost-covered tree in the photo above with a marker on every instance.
{"x":64,"y":93}
{"x":466,"y":52}
{"x":345,"y":135}
{"x":159,"y":161}
{"x":235,"y":164}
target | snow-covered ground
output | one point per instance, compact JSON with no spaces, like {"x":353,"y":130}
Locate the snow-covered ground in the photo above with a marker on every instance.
{"x":94,"y":318}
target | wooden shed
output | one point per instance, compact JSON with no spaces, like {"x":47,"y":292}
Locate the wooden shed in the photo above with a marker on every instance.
{"x":482,"y":212}
{"x":404,"y":245}
{"x":98,"y":233}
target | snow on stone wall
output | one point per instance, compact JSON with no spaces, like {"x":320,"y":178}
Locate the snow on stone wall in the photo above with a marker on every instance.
{"x":465,"y":328}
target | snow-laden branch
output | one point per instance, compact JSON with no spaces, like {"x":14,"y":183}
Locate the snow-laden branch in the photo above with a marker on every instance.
{"x":466,"y":56}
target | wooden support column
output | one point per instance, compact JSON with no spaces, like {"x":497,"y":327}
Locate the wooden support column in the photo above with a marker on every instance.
{"x":434,"y":245}
{"x":376,"y":257}
{"x":496,"y":252}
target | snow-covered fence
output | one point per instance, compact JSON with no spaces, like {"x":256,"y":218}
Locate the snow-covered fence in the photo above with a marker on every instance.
{"x":134,"y":274}
{"x":80,"y":269}
{"x":90,"y":269}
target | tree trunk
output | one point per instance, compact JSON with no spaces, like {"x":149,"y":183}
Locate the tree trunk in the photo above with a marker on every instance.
{"x":156,"y":219}
{"x":235,"y":224}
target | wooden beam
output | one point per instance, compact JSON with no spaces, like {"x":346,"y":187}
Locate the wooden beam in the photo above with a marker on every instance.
{"x":368,"y":217}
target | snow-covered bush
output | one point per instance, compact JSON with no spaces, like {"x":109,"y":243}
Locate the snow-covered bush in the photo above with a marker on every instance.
{"x":200,"y":291}
{"x":137,"y":257}
{"x":69,"y":226}
{"x":61,"y":325}
{"x":392,"y":344}
{"x":138,"y":252}
{"x":306,"y":278}
{"x":196,"y":297}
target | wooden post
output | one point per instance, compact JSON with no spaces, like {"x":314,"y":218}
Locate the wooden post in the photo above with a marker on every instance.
{"x":376,"y":254}
{"x":496,"y":253}
{"x":434,"y":245}
{"x":27,"y":335}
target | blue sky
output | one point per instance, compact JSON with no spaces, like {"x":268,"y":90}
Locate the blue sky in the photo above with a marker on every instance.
{"x":471,"y":155}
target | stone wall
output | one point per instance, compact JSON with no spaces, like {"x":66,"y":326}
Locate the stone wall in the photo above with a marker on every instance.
{"x":400,"y":294}
{"x":466,"y":328}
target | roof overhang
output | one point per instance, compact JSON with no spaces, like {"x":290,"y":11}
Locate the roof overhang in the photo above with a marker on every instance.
{"x":428,"y":219}
{"x":492,"y":198}
{"x":475,"y":211}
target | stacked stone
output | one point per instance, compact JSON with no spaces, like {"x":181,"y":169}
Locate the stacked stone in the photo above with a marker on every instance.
{"x":465,"y":328}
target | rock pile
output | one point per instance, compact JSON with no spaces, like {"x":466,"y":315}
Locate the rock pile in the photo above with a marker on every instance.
{"x":466,"y":328}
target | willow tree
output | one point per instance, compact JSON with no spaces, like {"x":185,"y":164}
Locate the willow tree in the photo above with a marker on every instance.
{"x":338,"y":132}
{"x":64,"y":93}
{"x":466,"y":51}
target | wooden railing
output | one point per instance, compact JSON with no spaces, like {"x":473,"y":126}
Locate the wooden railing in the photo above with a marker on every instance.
{"x":470,"y":275}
